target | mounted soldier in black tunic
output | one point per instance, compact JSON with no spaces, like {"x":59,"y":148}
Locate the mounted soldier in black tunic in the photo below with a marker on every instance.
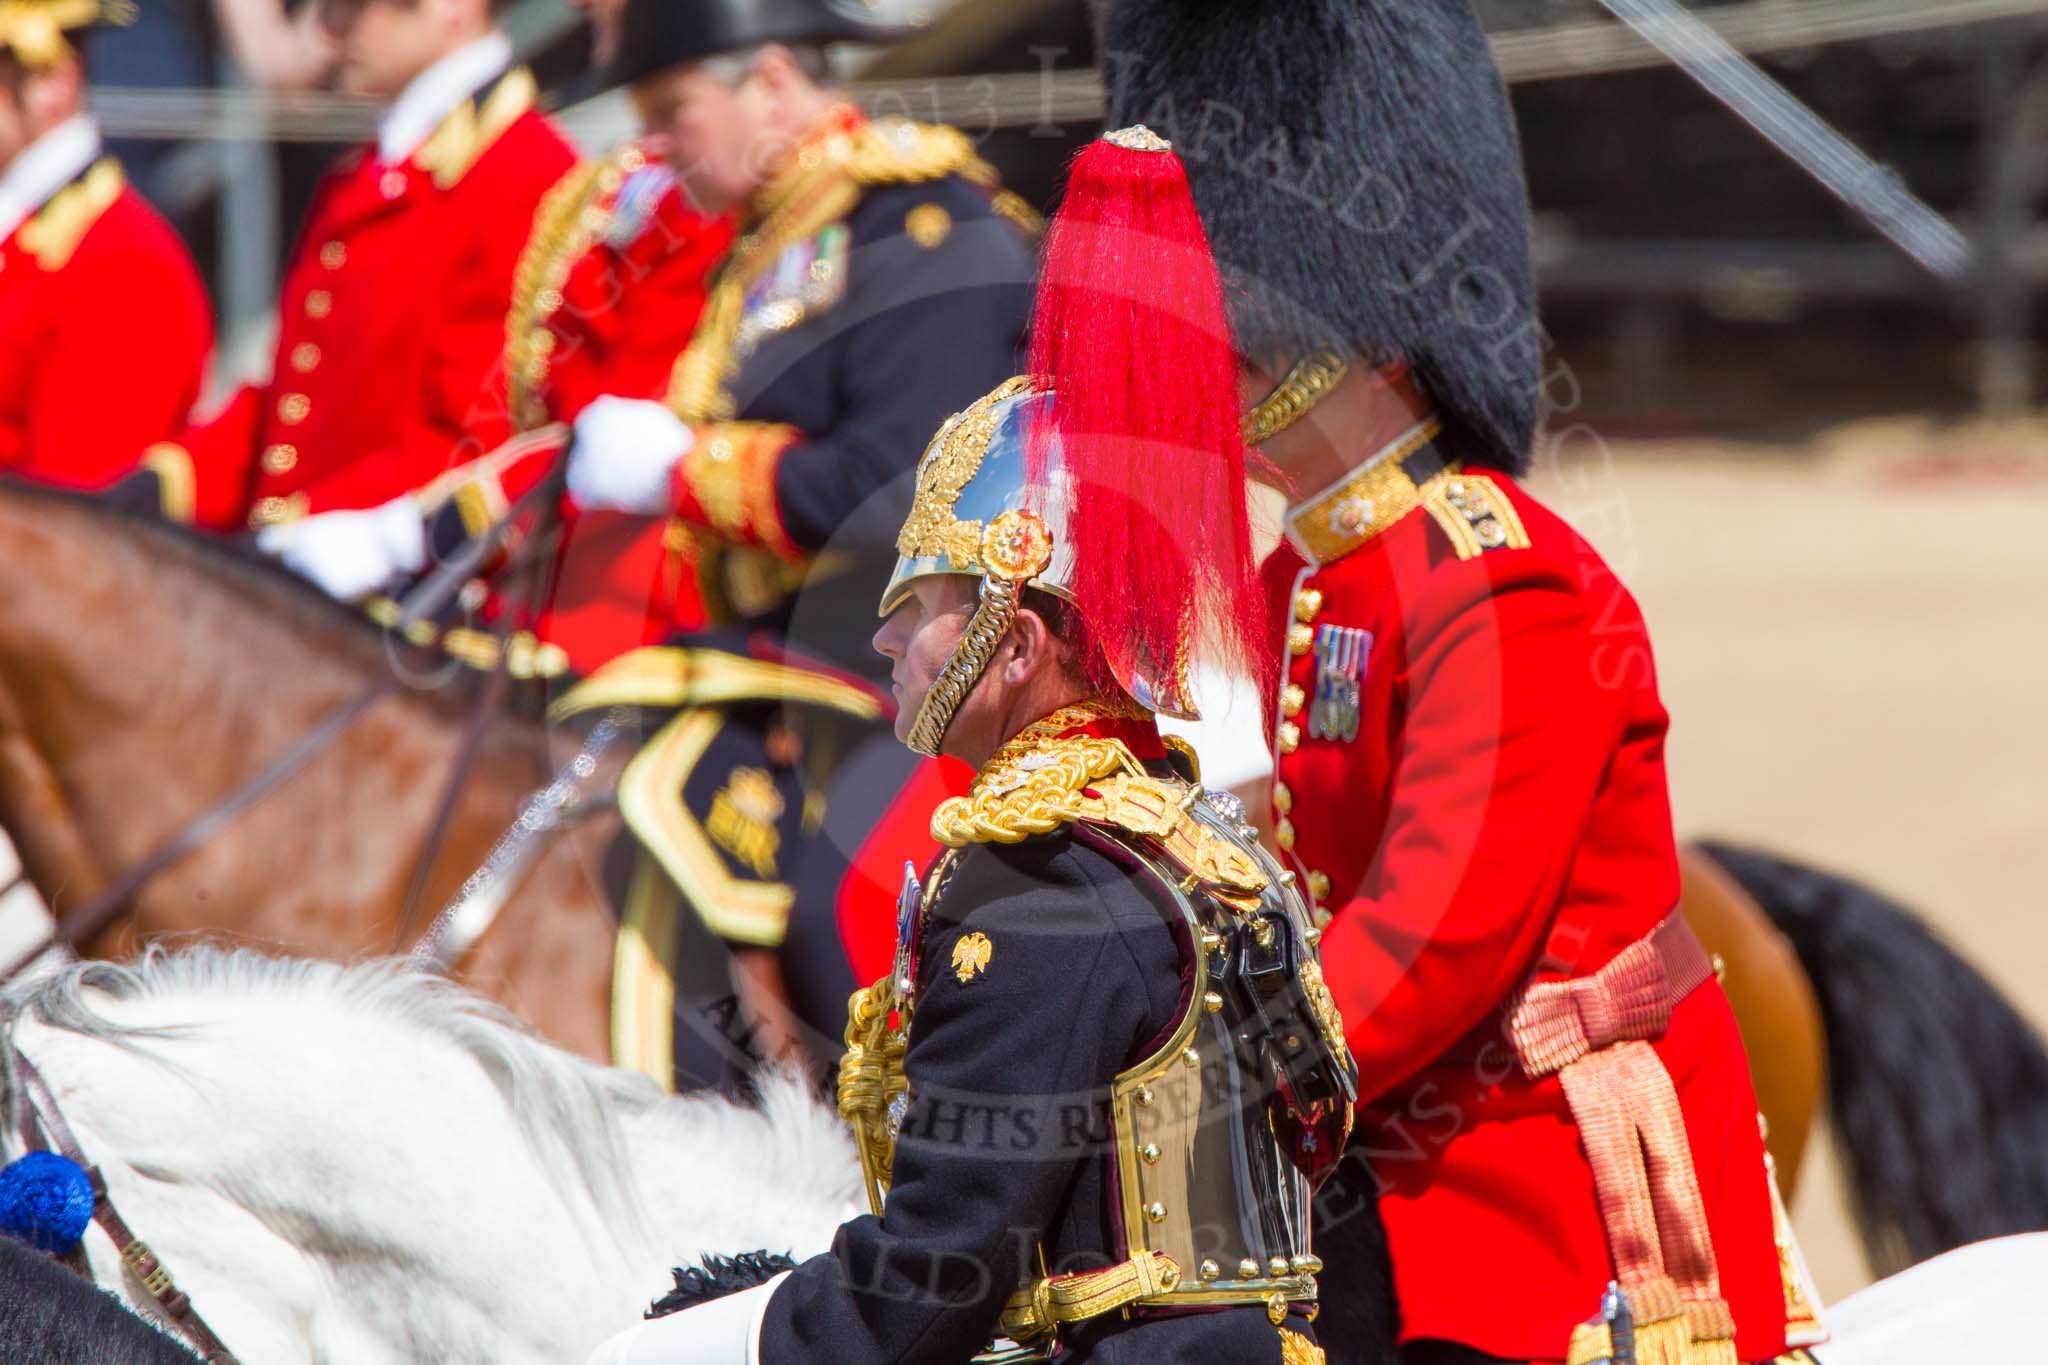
{"x":880,"y":279}
{"x":1095,"y":1093}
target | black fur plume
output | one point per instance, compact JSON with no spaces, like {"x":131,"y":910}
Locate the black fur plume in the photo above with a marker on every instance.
{"x":1358,"y":170}
{"x":717,"y":1276}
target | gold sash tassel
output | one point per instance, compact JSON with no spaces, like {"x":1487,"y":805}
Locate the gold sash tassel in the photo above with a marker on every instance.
{"x":1594,"y":1032}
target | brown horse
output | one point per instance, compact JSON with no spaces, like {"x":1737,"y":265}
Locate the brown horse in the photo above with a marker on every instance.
{"x":1774,"y":1005}
{"x":145,"y":674}
{"x":1936,"y":1086}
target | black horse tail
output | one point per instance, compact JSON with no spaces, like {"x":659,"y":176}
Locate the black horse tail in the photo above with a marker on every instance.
{"x":1938,"y":1089}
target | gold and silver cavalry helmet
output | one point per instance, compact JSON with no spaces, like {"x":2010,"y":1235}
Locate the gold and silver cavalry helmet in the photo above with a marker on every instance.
{"x":977,"y":513}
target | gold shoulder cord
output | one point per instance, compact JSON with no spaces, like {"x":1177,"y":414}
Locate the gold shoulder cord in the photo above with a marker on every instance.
{"x":571,"y":216}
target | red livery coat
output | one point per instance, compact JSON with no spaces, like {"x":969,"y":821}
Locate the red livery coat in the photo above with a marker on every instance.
{"x":1500,"y":812}
{"x":390,"y":324}
{"x":606,"y":297}
{"x":104,"y":333}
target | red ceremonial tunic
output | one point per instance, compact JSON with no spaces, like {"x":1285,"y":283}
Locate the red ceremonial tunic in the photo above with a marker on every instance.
{"x":104,"y":333}
{"x":607,"y":295}
{"x":391,"y":324}
{"x":1500,"y":811}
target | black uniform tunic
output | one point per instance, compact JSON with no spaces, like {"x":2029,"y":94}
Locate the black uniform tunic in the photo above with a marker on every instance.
{"x":1006,"y":1142}
{"x":937,"y":293}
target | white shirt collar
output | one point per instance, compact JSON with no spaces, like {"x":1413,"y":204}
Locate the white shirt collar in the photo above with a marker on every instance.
{"x":47,"y":165}
{"x":435,"y":93}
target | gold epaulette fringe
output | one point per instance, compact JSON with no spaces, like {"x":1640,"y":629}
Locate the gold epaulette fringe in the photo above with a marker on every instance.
{"x":1670,"y":1329}
{"x":901,"y":152}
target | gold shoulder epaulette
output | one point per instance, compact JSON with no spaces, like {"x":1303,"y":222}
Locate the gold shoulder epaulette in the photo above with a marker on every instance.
{"x":57,"y":229}
{"x":1474,"y":513}
{"x":900,"y":152}
{"x":1044,"y":785}
{"x":467,"y":133}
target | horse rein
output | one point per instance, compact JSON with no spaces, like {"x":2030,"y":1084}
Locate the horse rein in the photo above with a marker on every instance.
{"x":41,"y":1111}
{"x":103,"y":909}
{"x":439,"y":588}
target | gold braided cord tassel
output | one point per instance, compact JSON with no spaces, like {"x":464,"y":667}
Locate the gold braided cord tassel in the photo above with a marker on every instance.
{"x":871,"y":1076}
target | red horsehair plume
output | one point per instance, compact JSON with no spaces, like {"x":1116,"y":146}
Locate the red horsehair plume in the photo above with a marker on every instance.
{"x":1130,"y":334}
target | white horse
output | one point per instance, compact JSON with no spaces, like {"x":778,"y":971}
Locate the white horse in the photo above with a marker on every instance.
{"x":361,"y":1165}
{"x":364,"y":1164}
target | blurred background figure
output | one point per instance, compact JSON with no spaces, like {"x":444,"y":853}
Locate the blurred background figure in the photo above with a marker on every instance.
{"x":276,"y":47}
{"x":399,"y":286}
{"x":98,"y":297}
{"x":879,"y":280}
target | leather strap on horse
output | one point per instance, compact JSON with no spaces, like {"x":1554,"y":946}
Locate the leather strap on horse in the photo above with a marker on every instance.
{"x":535,"y":563}
{"x":1040,"y":1308}
{"x":134,"y":1252}
{"x":1595,"y":1032}
{"x":102,"y":910}
{"x":430,"y":596}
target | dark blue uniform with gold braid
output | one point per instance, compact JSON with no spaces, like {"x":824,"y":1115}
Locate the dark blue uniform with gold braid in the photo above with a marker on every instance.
{"x":879,"y":284}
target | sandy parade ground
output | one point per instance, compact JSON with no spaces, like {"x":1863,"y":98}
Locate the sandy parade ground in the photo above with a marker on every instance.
{"x":1853,"y":642}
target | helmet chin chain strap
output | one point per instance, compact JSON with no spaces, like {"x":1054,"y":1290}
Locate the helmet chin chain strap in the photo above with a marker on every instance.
{"x":991,"y":622}
{"x":1307,"y":384}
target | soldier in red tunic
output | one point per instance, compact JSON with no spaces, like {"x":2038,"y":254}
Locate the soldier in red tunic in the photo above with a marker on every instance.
{"x":606,"y":296}
{"x":391,"y":321}
{"x":91,"y":279}
{"x":1470,"y":743}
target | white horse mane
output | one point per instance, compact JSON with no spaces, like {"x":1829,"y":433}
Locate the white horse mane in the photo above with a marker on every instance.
{"x":640,"y":1181}
{"x":568,"y":1110}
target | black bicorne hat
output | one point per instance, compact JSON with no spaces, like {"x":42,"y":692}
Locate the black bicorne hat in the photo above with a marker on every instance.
{"x":664,"y":33}
{"x":1357,"y":166}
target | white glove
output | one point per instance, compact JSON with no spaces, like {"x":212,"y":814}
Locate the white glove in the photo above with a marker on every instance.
{"x":351,"y":554}
{"x":625,"y":449}
{"x":725,"y":1331}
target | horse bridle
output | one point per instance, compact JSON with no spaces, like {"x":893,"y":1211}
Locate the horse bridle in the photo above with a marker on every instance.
{"x":434,"y":592}
{"x":43,"y":1129}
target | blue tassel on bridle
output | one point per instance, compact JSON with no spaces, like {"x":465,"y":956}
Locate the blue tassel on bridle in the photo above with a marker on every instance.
{"x":45,"y":1200}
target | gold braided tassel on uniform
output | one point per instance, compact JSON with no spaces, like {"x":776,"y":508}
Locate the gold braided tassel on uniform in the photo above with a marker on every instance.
{"x":870,"y":1079}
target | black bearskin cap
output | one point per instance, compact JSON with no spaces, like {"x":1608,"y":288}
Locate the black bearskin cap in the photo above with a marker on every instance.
{"x":1358,"y":170}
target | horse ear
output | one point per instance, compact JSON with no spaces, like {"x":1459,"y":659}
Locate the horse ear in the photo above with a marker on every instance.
{"x":714,"y":1277}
